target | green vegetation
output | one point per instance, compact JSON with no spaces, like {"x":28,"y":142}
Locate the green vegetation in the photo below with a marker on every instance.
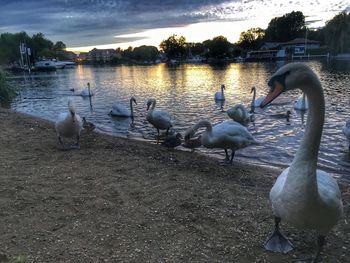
{"x":174,"y":47}
{"x":7,"y":92}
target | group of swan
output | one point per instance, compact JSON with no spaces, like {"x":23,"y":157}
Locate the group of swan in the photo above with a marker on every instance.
{"x":302,"y":195}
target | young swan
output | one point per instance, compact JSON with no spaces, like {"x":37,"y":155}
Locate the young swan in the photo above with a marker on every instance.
{"x":302,"y":195}
{"x":69,"y":125}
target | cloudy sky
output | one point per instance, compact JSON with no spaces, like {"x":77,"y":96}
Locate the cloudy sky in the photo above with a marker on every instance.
{"x":84,"y":24}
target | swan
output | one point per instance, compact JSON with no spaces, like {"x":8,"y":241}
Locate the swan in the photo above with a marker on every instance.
{"x":161,"y":120}
{"x":255,"y":102}
{"x":87,"y":91}
{"x":220,"y":95}
{"x":239,"y":114}
{"x":121,"y":111}
{"x":69,"y":125}
{"x":225,"y":135}
{"x":302,"y":195}
{"x":301,"y":103}
{"x":346,"y":131}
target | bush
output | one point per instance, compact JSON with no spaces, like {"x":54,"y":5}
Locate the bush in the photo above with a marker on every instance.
{"x":7,"y":92}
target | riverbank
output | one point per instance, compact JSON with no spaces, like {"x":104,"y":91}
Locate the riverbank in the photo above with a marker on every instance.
{"x":122,"y":200}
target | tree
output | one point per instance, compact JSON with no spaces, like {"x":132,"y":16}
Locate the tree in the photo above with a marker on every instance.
{"x":337,"y":33}
{"x":286,"y":28}
{"x":251,"y":39}
{"x":218,"y":47}
{"x":174,"y":47}
{"x":59,"y":46}
{"x":145,"y":53}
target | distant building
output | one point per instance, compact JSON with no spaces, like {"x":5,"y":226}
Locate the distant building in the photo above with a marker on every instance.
{"x":298,"y":45}
{"x":101,"y":55}
{"x":270,"y":45}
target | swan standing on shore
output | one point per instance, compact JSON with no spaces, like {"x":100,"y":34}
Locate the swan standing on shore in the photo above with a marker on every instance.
{"x":69,"y":125}
{"x":346,"y":131}
{"x":220,"y":94}
{"x":302,"y":103}
{"x":239,"y":114}
{"x":120,"y":110}
{"x":255,"y":102}
{"x":225,"y":135}
{"x":87,"y":92}
{"x":302,"y":195}
{"x":161,"y":120}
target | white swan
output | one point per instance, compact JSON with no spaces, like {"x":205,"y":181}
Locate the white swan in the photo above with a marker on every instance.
{"x":122,"y":111}
{"x":87,"y":92}
{"x":239,"y":114}
{"x":225,"y":135}
{"x":69,"y":124}
{"x":301,"y":103}
{"x":346,"y":131}
{"x":161,"y":120}
{"x":255,"y":102}
{"x":302,"y":195}
{"x":220,"y":94}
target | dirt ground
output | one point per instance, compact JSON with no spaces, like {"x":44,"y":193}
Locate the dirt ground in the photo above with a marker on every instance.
{"x":118,"y":200}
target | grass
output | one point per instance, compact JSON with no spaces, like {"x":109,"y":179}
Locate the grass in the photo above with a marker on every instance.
{"x":7,"y":92}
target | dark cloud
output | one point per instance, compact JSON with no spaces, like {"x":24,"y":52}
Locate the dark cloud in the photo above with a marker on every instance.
{"x":95,"y":22}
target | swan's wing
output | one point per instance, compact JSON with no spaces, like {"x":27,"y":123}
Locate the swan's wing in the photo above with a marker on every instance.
{"x":346,"y":129}
{"x":120,"y":109}
{"x":161,"y":116}
{"x":328,"y":187}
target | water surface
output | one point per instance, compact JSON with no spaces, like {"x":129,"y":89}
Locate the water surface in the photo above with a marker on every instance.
{"x":187,"y":93}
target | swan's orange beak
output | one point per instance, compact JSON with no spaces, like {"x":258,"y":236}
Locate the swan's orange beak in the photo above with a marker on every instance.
{"x":276,"y":90}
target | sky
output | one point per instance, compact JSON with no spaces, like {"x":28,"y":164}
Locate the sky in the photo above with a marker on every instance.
{"x":85,"y":24}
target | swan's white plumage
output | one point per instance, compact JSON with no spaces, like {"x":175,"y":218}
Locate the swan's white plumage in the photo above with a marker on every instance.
{"x":159,"y":119}
{"x":87,"y":92}
{"x":346,"y":130}
{"x":69,"y":123}
{"x":256,"y":102}
{"x":301,"y":103}
{"x":239,"y":114}
{"x":220,"y":94}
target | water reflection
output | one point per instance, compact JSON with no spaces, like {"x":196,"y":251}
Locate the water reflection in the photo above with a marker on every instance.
{"x":186,"y":92}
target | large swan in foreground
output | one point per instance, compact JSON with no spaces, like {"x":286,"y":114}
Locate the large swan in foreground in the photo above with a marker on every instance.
{"x":225,"y":135}
{"x":346,"y":131}
{"x":161,"y":120}
{"x":120,"y":110}
{"x":87,"y":92}
{"x":302,"y":195}
{"x":302,"y":103}
{"x":69,"y":125}
{"x":239,"y":114}
{"x":220,"y":94}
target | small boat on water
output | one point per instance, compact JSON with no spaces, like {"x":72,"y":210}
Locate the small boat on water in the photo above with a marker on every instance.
{"x":45,"y":65}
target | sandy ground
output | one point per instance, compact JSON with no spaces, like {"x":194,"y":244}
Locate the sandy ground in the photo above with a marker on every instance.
{"x":117,"y":200}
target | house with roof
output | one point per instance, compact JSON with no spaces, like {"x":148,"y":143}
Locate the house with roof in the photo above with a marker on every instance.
{"x":298,"y":46}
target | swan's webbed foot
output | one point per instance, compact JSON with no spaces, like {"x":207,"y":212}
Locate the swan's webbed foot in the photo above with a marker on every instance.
{"x":320,"y":244}
{"x":277,"y":242}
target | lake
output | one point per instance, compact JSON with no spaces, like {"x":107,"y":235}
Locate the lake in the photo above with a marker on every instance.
{"x":187,"y":93}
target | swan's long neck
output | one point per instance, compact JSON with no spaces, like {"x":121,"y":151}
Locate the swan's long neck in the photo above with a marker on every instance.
{"x":254,"y":94}
{"x":304,"y":163}
{"x":202,"y":123}
{"x":222,"y":90}
{"x":303,"y":100}
{"x":153,"y":104}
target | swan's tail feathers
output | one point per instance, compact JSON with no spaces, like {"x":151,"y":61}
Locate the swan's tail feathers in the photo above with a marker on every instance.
{"x":278,"y":243}
{"x":71,"y":107}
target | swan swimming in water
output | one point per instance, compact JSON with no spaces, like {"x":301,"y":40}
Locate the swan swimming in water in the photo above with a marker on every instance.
{"x":302,"y":103}
{"x":302,"y":195}
{"x":120,"y":110}
{"x":69,"y":125}
{"x":225,"y":135}
{"x":87,"y":92}
{"x":220,"y":94}
{"x":255,"y":102}
{"x":239,"y":114}
{"x":161,"y":120}
{"x":346,"y":131}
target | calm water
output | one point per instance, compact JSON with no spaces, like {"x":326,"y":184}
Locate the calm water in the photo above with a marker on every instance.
{"x":187,"y":92}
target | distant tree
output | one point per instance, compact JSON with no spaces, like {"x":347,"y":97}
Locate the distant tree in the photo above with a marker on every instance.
{"x":59,"y":46}
{"x":251,"y":39}
{"x":145,"y":53}
{"x":218,"y":47}
{"x":337,"y":33}
{"x":196,"y":49}
{"x":41,"y":46}
{"x":174,"y":47}
{"x":127,"y":53}
{"x":286,"y":28}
